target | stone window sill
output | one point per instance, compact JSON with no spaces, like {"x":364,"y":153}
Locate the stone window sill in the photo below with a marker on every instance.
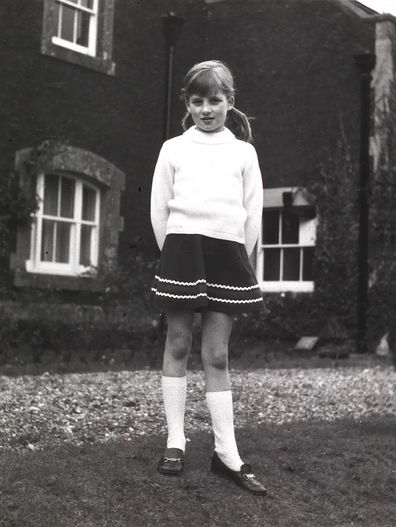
{"x":101,"y":65}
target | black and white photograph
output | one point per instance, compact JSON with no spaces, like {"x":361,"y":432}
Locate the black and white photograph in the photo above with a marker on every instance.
{"x":198,"y":263}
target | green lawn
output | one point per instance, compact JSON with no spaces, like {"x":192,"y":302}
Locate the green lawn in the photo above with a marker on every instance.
{"x":319,"y":474}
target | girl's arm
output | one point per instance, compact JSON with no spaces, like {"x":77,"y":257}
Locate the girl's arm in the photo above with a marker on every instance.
{"x":252,"y":199}
{"x":161,"y":194}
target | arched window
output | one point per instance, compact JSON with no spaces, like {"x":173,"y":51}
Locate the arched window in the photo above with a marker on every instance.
{"x":74,"y":232}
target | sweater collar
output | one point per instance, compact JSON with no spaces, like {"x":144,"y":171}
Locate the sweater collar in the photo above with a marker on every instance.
{"x":209,"y":138}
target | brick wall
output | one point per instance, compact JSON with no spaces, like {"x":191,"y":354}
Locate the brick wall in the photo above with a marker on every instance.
{"x":293,"y":62}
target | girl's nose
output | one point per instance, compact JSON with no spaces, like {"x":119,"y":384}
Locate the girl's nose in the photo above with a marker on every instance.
{"x":206,"y":107}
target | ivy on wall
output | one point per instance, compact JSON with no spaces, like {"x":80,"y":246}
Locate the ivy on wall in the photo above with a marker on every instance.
{"x":382,"y":292}
{"x":17,"y":207}
{"x":330,"y":311}
{"x":334,"y":194}
{"x":18,"y":204}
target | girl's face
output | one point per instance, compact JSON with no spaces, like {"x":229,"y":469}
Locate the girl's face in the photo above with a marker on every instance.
{"x":209,"y":113}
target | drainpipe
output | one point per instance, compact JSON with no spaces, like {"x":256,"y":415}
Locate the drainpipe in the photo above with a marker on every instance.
{"x":365,"y":63}
{"x":172,"y":27}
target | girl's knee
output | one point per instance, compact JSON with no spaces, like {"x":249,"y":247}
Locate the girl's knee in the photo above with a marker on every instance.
{"x":215,"y":358}
{"x":178,"y":346}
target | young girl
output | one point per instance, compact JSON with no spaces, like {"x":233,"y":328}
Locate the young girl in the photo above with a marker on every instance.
{"x":206,"y":206}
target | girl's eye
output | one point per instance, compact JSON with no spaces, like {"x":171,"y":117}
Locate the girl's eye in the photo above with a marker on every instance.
{"x":196,"y":101}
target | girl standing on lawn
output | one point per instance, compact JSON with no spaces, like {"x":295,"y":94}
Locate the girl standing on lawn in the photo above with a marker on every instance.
{"x":206,"y":206}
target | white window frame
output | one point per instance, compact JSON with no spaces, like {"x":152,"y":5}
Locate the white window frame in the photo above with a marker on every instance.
{"x":93,"y":27}
{"x":273,"y":200}
{"x":73,"y":268}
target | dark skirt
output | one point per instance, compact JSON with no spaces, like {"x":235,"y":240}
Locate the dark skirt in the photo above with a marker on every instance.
{"x":201,"y":273}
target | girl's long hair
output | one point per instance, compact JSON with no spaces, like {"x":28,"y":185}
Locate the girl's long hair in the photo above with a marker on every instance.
{"x":209,"y":77}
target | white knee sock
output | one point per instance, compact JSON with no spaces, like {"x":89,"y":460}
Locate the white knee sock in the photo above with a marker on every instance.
{"x":174,"y":394}
{"x":221,"y":412}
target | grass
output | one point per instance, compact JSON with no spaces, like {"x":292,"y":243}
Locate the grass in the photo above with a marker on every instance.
{"x":319,"y":474}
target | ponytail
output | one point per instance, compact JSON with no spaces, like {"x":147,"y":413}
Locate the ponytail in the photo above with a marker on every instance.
{"x":187,"y":121}
{"x":236,"y":121}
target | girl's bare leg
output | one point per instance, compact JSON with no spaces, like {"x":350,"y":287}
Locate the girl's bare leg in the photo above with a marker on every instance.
{"x":178,"y":342}
{"x":216,"y":330}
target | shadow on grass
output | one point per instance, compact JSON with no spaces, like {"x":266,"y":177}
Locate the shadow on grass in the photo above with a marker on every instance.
{"x":319,"y":475}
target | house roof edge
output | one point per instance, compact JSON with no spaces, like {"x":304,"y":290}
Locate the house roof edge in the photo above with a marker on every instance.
{"x":365,"y":13}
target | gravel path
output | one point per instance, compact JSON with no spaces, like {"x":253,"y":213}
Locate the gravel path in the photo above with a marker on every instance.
{"x":51,"y":409}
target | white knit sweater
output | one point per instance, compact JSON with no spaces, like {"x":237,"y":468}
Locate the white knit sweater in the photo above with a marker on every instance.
{"x":209,"y":184}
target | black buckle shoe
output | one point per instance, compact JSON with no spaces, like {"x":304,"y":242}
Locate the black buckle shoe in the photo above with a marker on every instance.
{"x":244,"y":478}
{"x":172,"y":462}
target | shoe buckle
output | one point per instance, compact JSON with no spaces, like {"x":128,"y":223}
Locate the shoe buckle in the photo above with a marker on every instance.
{"x":167,"y":459}
{"x":249,"y":476}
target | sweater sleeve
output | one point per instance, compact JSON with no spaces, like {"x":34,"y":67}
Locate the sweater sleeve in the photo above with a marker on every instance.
{"x":161,"y":194}
{"x":252,"y":199}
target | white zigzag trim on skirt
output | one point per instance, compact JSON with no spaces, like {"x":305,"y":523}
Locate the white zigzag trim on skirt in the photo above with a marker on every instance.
{"x":229,"y":301}
{"x":176,"y":282}
{"x":176,"y":296}
{"x":233,"y":287}
{"x":203,"y":281}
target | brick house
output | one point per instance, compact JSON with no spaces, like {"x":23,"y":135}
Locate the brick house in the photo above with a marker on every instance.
{"x":89,"y":76}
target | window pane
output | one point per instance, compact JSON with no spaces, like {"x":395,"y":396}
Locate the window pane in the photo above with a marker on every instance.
{"x":290,"y":228}
{"x":56,"y":18}
{"x":271,"y":264}
{"x":270,"y":227}
{"x":47,"y":241}
{"x":67,"y":23}
{"x":87,"y":3}
{"x":51,"y":186}
{"x":85,"y":245}
{"x":88,"y":204}
{"x":291,"y":264}
{"x":308,"y":255}
{"x":67,"y":198}
{"x":62,"y":242}
{"x":83,"y":28}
